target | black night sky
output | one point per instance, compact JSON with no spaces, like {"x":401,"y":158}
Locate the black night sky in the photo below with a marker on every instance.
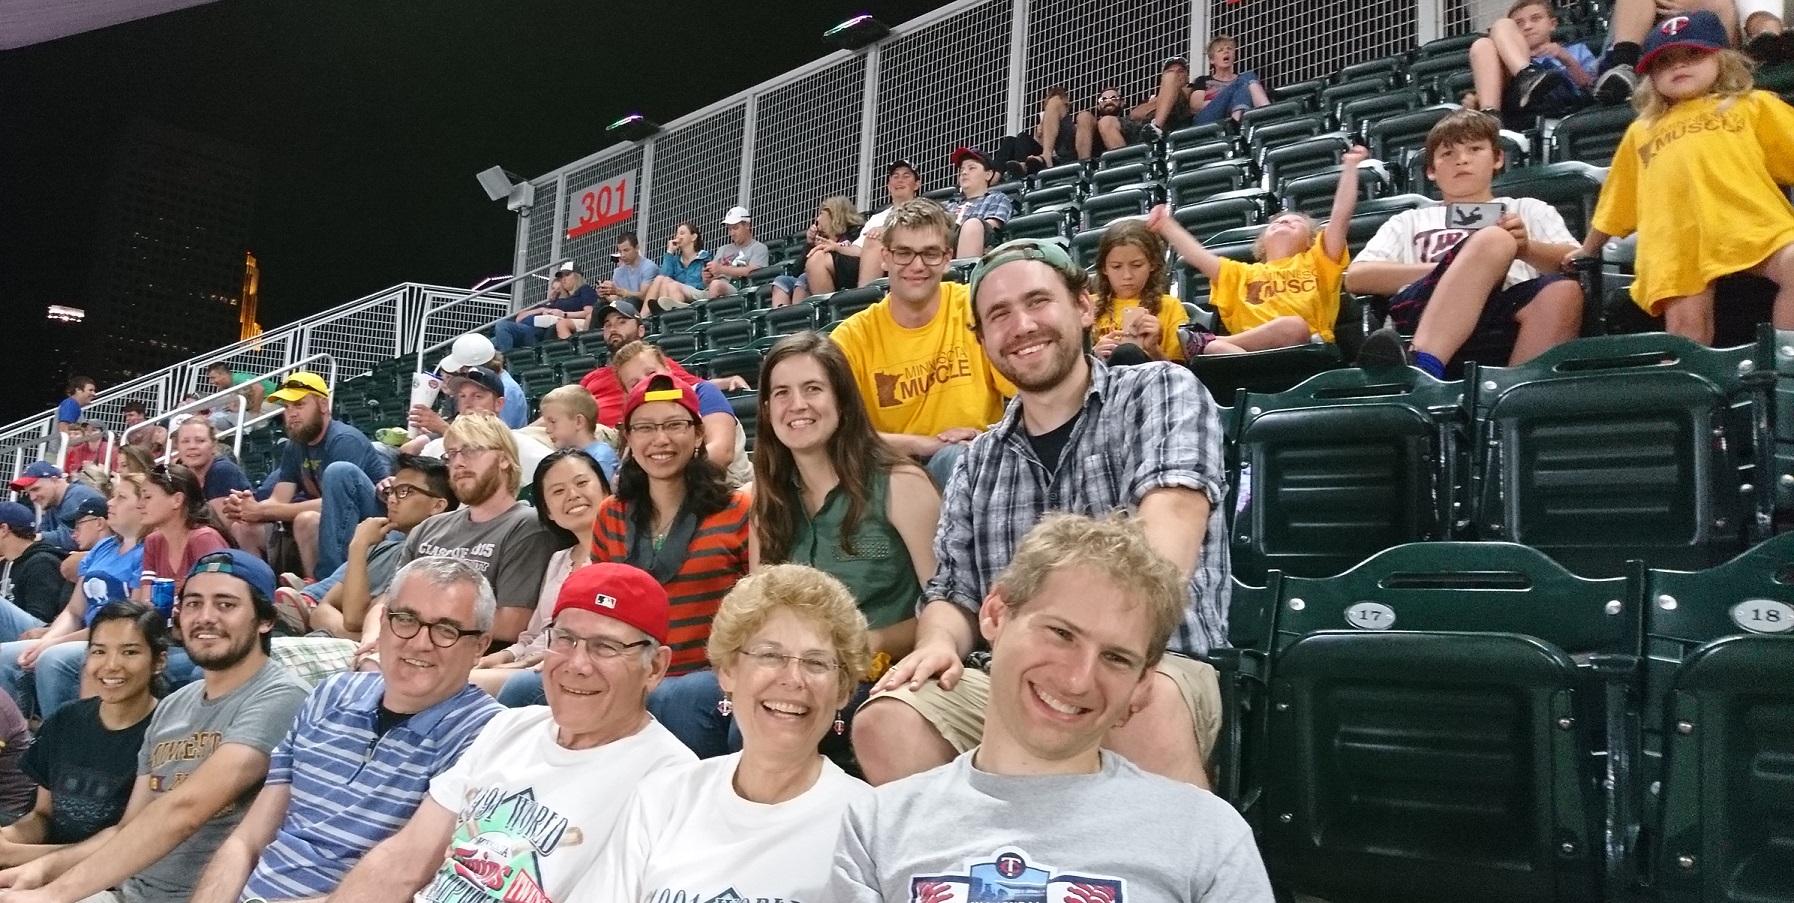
{"x":368,"y":121}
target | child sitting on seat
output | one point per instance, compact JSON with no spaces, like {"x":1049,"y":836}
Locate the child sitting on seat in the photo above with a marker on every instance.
{"x":1290,"y":294}
{"x":1132,"y":307}
{"x":1519,"y":69}
{"x":1700,"y":177}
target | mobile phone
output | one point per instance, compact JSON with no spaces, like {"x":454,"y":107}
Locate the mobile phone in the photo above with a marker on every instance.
{"x":1472,"y":216}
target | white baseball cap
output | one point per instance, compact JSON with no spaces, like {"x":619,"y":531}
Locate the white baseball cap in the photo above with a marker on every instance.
{"x":470,"y":350}
{"x":736,"y":215}
{"x":565,"y":268}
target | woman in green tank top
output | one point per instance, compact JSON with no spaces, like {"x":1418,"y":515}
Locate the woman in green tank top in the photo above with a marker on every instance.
{"x":829,"y":493}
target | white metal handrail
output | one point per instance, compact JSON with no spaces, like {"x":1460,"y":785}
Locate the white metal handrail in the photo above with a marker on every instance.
{"x":423,"y":324}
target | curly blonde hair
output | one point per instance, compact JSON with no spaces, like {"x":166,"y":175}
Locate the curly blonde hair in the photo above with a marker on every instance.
{"x":1735,"y":81}
{"x":817,"y":598}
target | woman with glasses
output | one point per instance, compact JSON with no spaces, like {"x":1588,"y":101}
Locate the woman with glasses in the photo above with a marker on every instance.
{"x":196,"y":447}
{"x":568,"y":488}
{"x":788,"y":645}
{"x":681,"y":279}
{"x":180,"y":529}
{"x":674,"y":516}
{"x":48,"y":667}
{"x":84,"y":759}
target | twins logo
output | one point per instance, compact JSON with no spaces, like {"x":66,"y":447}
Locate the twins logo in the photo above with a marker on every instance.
{"x":1673,"y":25}
{"x":1008,"y":877}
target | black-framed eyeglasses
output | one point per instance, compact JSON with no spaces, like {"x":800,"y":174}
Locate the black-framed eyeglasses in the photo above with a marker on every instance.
{"x":443,"y":634}
{"x":566,"y":642}
{"x":903,"y":257}
{"x":403,"y":491}
{"x":677,"y":429}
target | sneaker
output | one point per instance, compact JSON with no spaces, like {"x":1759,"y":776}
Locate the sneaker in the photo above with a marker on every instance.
{"x":292,"y":610}
{"x":1383,"y":350}
{"x":288,"y":578}
{"x":1016,"y":169}
{"x":1616,"y":84}
{"x":1535,"y":83}
{"x":1151,"y":132}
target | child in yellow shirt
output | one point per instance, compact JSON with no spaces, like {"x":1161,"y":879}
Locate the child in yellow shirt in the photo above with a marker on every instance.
{"x":1132,"y":307}
{"x":1290,"y":296}
{"x":1699,"y":176}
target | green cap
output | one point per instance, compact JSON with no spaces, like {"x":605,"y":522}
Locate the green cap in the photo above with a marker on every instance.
{"x":1047,"y":251}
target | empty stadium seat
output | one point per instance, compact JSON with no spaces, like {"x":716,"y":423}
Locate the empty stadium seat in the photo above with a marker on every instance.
{"x":1343,"y":466}
{"x":679,"y":319}
{"x":1202,"y":182}
{"x":728,"y":307}
{"x":747,"y":413}
{"x":1356,"y":114}
{"x":1604,"y":450}
{"x":573,"y":369}
{"x":1388,"y":67}
{"x":676,"y":345}
{"x":1050,"y":222}
{"x":1192,"y":156}
{"x":1431,"y":736}
{"x":1592,"y":135}
{"x":1389,"y":136}
{"x":1051,"y":196}
{"x":1719,"y":687}
{"x":788,"y":319}
{"x":1273,"y":134}
{"x":1426,"y":69}
{"x":1346,"y":91}
{"x":1102,"y":209}
{"x":726,"y":334}
{"x":1572,"y":187}
{"x":846,"y":303}
{"x":1311,"y":88}
{"x":742,"y":362}
{"x":1275,"y":370}
{"x":1146,"y":153}
{"x":1313,"y":194}
{"x":1199,"y":134}
{"x":1227,"y":210}
{"x":1299,"y":158}
{"x":1073,"y":173}
{"x":1114,"y":177}
{"x":1446,"y":46}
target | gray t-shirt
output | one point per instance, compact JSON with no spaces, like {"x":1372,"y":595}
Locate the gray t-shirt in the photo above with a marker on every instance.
{"x":753,"y":254}
{"x":512,"y":549}
{"x":183,"y":733}
{"x":383,"y":562}
{"x":957,"y":833}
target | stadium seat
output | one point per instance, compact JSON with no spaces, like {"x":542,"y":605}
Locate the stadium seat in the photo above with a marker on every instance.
{"x":1343,"y":466}
{"x":1719,"y":686}
{"x":536,"y":379}
{"x":726,"y":334}
{"x":747,"y":413}
{"x":1427,"y":69}
{"x":1311,"y":88}
{"x":591,"y":344}
{"x":1572,"y":187}
{"x":1202,"y":182}
{"x":1370,"y":215}
{"x":742,"y":362}
{"x":788,"y":319}
{"x":1356,"y":114}
{"x":1301,"y":157}
{"x":1432,"y":737}
{"x":1777,"y":345}
{"x":1389,"y":67}
{"x":941,"y":194}
{"x":1332,"y":99}
{"x":1073,"y":173}
{"x":573,"y":369}
{"x":1241,"y":670}
{"x":1607,"y":449}
{"x":679,"y":319}
{"x":1103,"y":209}
{"x":1051,"y":196}
{"x":1313,"y":193}
{"x":1147,"y":153}
{"x":1050,"y":222}
{"x":1192,"y":156}
{"x":728,"y":307}
{"x":1227,"y":210}
{"x":1273,"y":134}
{"x":1446,"y":46}
{"x":1274,"y":112}
{"x":1453,"y":86}
{"x":766,"y":274}
{"x":1106,"y":180}
{"x":1276,"y":370}
{"x":676,"y":345}
{"x":1201,"y":134}
{"x":1389,"y":136}
{"x":847,"y":302}
{"x":1592,"y":135}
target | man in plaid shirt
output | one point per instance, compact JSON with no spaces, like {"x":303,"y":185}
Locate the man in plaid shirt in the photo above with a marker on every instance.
{"x":976,"y":209}
{"x":1080,"y":437}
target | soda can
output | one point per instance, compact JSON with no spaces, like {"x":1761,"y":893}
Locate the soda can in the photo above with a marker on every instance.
{"x":162,"y":594}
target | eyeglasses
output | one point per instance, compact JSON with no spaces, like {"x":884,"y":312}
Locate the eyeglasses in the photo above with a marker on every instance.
{"x":675,"y":429}
{"x":300,"y":386}
{"x":903,"y":257}
{"x":1108,"y":97}
{"x":403,"y":491}
{"x":565,"y":642}
{"x":768,"y":659}
{"x":443,"y":634}
{"x":466,"y":451}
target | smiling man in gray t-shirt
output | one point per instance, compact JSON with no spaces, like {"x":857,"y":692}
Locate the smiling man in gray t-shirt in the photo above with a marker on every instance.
{"x":1039,"y":810}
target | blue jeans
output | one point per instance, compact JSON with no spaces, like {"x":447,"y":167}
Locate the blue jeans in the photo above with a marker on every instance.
{"x":349,"y":499}
{"x":508,"y":334}
{"x":522,"y":689}
{"x":1231,"y":99}
{"x":55,"y":680}
{"x":686,"y":706}
{"x":940,"y":464}
{"x":14,"y":621}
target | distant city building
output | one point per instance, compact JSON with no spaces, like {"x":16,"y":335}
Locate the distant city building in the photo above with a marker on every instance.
{"x":168,"y":279}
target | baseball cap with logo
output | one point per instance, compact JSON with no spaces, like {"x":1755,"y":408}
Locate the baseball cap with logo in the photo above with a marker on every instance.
{"x":568,"y":267}
{"x":298,"y":385}
{"x":41,"y":470}
{"x":89,"y":506}
{"x":1701,"y":30}
{"x":241,"y":565}
{"x":736,"y":215}
{"x":617,"y":591}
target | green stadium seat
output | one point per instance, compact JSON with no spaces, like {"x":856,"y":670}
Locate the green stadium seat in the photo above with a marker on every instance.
{"x":1446,"y":46}
{"x":1333,"y":98}
{"x":1608,"y":449}
{"x":766,"y":274}
{"x":1453,"y":86}
{"x":728,"y":307}
{"x":679,"y":319}
{"x":1777,"y":345}
{"x":1275,"y":370}
{"x":1202,"y":182}
{"x":1194,"y":155}
{"x":1103,"y":209}
{"x":536,"y":379}
{"x":1274,"y":112}
{"x":1359,"y":112}
{"x":1572,"y":187}
{"x":1073,"y":173}
{"x":591,"y":343}
{"x":1345,"y":465}
{"x":1389,"y":136}
{"x":1719,"y":688}
{"x":742,"y":362}
{"x":1302,"y":157}
{"x":1313,"y":193}
{"x":1428,"y":69}
{"x":1311,"y":88}
{"x":1051,"y":196}
{"x":846,"y":303}
{"x":747,"y":413}
{"x":1432,"y":735}
{"x":1387,"y":67}
{"x":1128,"y":174}
{"x":1049,"y":222}
{"x":676,"y":345}
{"x":1241,"y":672}
{"x":1592,"y":135}
{"x":725,"y":334}
{"x":573,"y":369}
{"x":1228,"y":210}
{"x":1146,"y":153}
{"x":1274,"y":134}
{"x":1200,"y":134}
{"x":788,"y":319}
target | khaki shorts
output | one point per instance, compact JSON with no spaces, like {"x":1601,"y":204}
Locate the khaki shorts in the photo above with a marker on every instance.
{"x":959,"y":713}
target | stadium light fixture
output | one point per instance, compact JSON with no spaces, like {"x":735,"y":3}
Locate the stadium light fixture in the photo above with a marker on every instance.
{"x":634,"y":127}
{"x":855,"y":33}
{"x":503,"y":185}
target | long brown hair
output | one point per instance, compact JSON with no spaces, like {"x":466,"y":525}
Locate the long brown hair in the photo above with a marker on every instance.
{"x":175,"y":479}
{"x":855,"y":451}
{"x":1132,"y":232}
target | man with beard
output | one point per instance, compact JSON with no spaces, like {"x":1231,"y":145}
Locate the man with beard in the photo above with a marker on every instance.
{"x":1079,"y":437}
{"x":621,"y":323}
{"x":524,"y":812}
{"x":1076,"y":624}
{"x":500,"y":536}
{"x":324,"y":484}
{"x":927,"y":387}
{"x":203,"y":759}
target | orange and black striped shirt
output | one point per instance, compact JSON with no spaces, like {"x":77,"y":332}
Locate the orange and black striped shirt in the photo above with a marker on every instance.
{"x":716,"y":558}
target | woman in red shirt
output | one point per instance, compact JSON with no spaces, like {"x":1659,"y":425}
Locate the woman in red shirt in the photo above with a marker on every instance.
{"x":181,"y":526}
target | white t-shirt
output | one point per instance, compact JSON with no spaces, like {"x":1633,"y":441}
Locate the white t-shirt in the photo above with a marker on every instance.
{"x":531,"y":814}
{"x":529,"y":453}
{"x":875,"y":221}
{"x":1421,"y":236}
{"x":687,"y":835}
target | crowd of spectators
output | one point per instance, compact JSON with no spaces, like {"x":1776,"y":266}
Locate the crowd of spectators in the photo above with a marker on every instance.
{"x":979,"y":552}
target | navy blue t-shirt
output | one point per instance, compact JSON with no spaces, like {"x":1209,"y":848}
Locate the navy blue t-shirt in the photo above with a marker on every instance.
{"x":223,"y":476}
{"x":585,"y":297}
{"x":304,"y":464}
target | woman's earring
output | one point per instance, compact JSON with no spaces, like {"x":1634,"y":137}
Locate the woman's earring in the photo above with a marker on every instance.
{"x":840,"y":726}
{"x":725,"y":707}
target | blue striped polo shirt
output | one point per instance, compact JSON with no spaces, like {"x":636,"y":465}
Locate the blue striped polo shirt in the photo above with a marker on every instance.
{"x":350,"y":787}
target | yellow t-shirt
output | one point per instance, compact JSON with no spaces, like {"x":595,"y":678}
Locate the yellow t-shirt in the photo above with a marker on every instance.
{"x":927,"y":380}
{"x":1171,"y":315}
{"x":1700,"y":187}
{"x":1305,"y":285}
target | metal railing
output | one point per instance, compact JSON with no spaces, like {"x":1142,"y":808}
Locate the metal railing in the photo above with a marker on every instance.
{"x":243,"y":423}
{"x":467,"y":313}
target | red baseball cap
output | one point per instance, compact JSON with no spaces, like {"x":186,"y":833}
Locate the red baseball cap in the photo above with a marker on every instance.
{"x":661,"y":387}
{"x":617,"y":591}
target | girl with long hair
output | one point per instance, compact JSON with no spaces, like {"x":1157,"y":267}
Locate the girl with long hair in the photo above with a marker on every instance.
{"x":681,"y":279}
{"x":196,"y":448}
{"x":180,"y":527}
